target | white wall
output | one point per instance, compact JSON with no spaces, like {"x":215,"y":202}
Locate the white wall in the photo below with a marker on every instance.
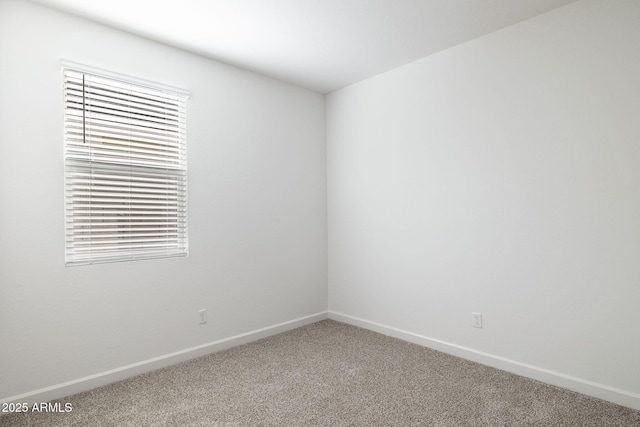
{"x":257,"y":210}
{"x":501,"y":176}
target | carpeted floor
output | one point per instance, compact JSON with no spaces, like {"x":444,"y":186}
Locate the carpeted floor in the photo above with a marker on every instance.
{"x":330,"y":374}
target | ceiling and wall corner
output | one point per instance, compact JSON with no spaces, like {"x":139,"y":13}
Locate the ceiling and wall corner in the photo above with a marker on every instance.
{"x":323,"y":45}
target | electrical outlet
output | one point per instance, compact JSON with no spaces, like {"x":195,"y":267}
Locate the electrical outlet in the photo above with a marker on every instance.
{"x":476,"y":320}
{"x":203,"y":315}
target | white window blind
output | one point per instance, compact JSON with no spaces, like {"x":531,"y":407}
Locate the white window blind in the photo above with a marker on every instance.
{"x":125,"y":170}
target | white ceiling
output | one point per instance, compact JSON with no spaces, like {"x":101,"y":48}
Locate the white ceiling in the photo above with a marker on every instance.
{"x":319,"y":44}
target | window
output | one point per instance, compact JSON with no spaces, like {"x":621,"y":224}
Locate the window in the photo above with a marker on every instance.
{"x":125,"y":169}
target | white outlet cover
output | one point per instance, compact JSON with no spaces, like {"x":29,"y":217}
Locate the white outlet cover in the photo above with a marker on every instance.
{"x":476,"y":320}
{"x":203,"y":315}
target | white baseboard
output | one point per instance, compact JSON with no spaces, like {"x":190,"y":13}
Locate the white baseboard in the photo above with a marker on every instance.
{"x":92,"y":381}
{"x":600,"y":391}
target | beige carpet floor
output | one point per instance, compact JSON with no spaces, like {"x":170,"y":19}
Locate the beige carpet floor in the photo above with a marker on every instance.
{"x":330,"y":374}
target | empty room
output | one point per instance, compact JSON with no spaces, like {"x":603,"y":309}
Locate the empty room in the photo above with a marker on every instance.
{"x":320,"y":212}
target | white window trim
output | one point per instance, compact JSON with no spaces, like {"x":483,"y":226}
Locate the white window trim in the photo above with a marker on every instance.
{"x":123,"y":77}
